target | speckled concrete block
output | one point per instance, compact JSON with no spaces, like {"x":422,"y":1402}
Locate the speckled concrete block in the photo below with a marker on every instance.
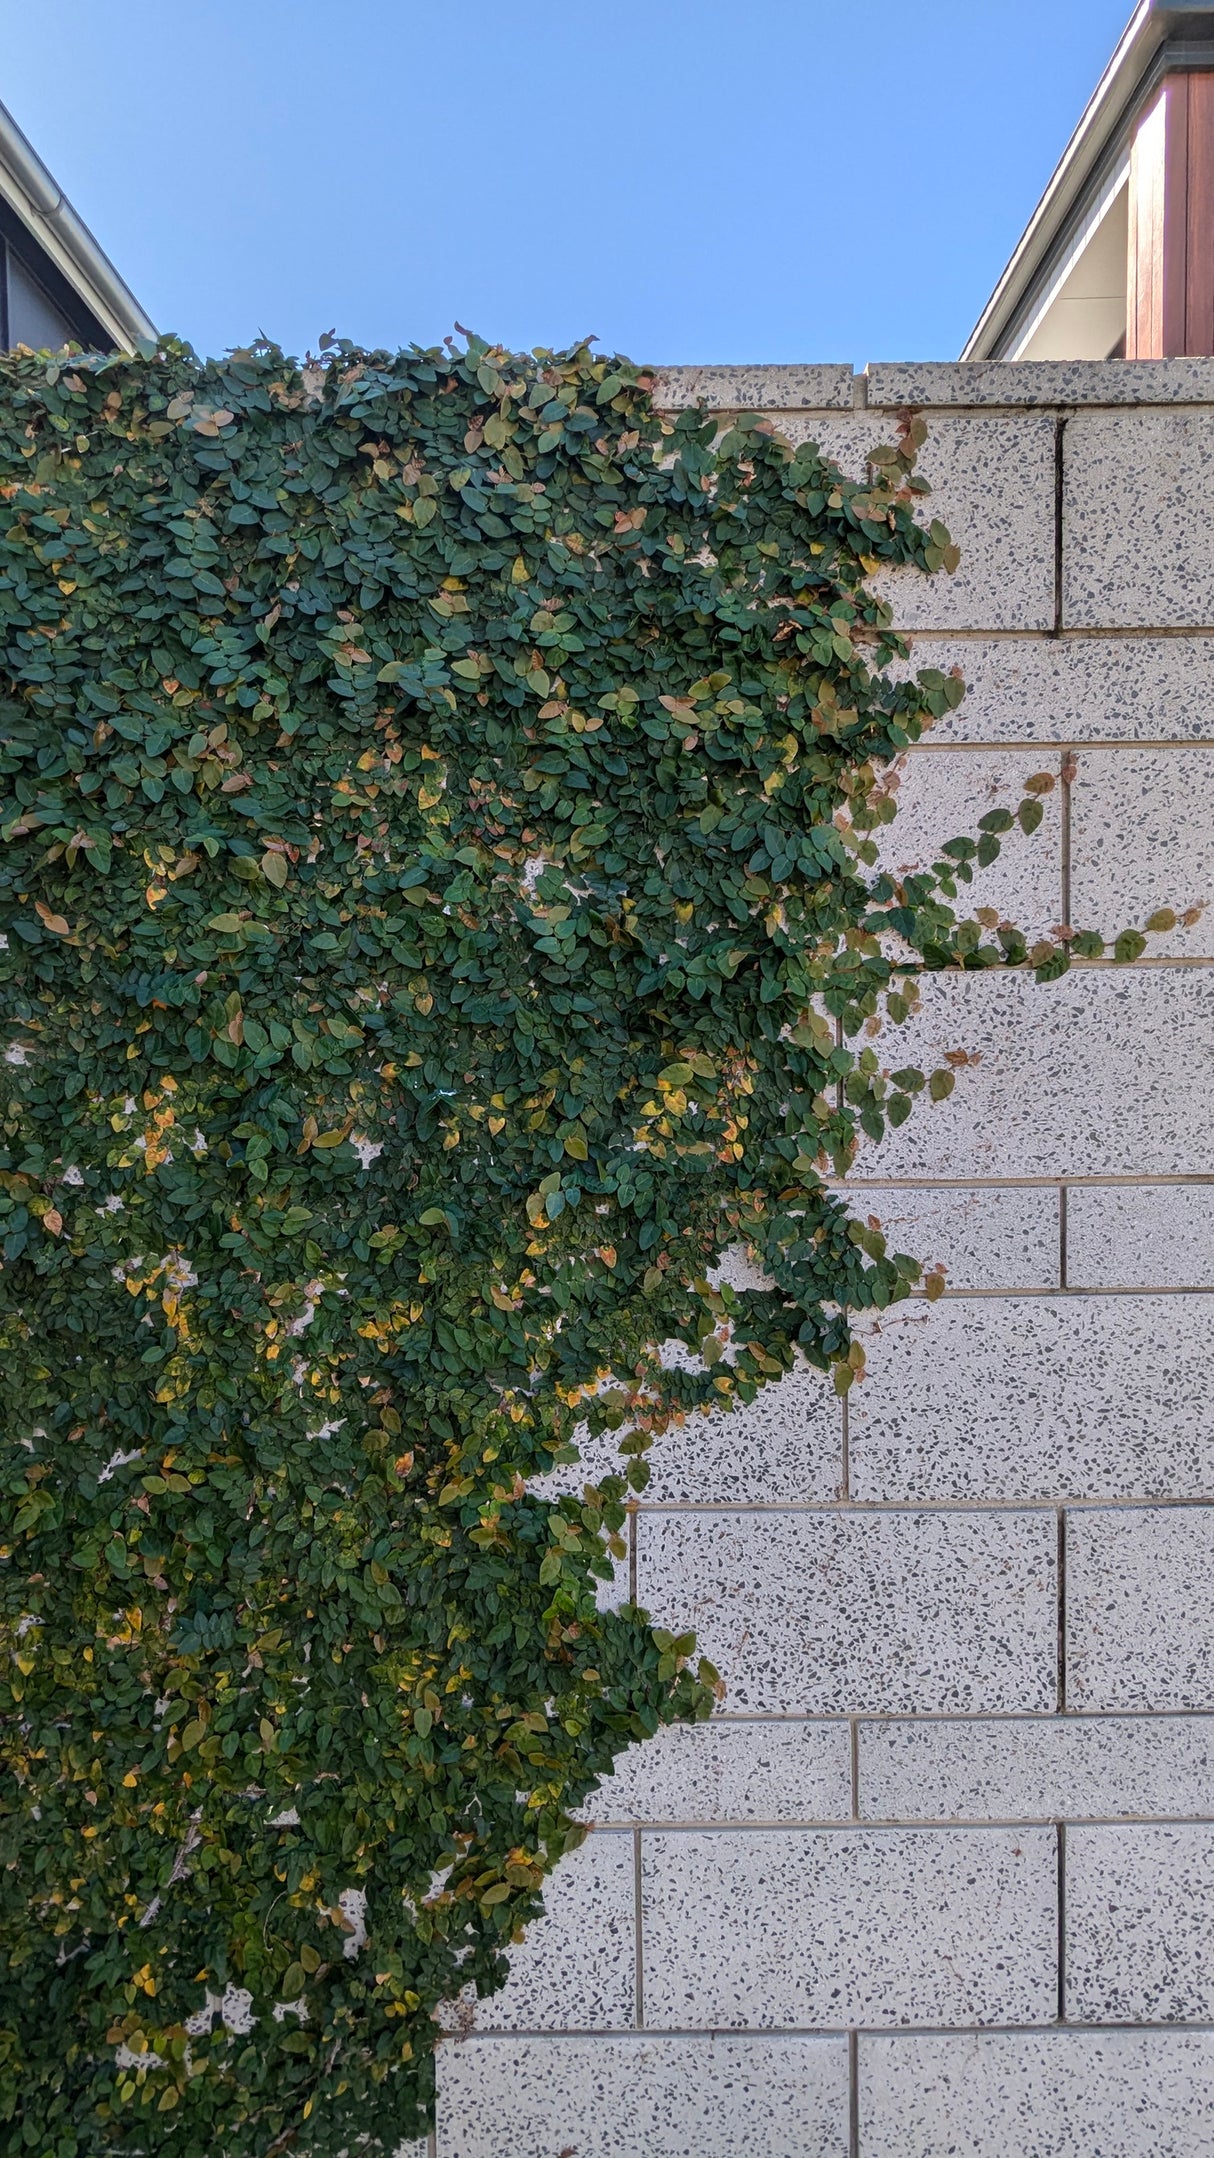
{"x":784,"y":1447}
{"x":1038,"y":2094}
{"x":941,"y":794}
{"x":1036,"y":1769}
{"x":983,"y":1237}
{"x":821,"y":1613}
{"x":1142,"y":837}
{"x":643,"y":2097}
{"x":736,"y":1267}
{"x":754,"y":389}
{"x":575,"y":1970}
{"x":992,"y":480}
{"x":1139,"y":1913}
{"x":778,"y":1927}
{"x":1153,"y":1236}
{"x":1036,"y":1398}
{"x":731,"y":1771}
{"x":1140,"y":1616}
{"x":1137,"y":542}
{"x":1041,"y":382}
{"x":1075,"y":689}
{"x":1105,"y":1072}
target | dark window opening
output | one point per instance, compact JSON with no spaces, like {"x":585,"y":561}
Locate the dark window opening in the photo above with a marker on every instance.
{"x":38,"y":306}
{"x":33,"y":318}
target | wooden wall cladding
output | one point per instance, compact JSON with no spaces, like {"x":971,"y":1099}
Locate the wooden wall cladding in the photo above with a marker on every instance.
{"x":1170,"y":308}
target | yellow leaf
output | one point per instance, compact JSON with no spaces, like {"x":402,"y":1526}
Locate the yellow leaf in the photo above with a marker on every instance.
{"x":52,"y":1220}
{"x":54,"y":922}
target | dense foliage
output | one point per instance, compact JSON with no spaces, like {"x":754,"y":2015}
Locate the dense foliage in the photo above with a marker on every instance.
{"x":438,"y":913}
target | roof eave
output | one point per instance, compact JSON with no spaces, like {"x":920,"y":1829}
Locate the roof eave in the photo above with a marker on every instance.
{"x":37,"y":199}
{"x":1125,"y":81}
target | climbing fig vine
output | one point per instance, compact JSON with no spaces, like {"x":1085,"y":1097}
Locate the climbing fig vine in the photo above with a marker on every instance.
{"x":440,"y":915}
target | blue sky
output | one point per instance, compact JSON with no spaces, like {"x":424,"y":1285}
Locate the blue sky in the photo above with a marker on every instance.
{"x":688,"y":179}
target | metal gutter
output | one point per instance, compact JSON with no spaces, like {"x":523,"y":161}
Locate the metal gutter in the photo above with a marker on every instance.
{"x":37,"y":199}
{"x":1162,"y":36}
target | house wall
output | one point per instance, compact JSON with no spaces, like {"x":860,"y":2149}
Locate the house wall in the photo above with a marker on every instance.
{"x":940,"y":1877}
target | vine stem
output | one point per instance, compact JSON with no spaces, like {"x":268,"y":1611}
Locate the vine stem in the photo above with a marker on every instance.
{"x":287,"y":2136}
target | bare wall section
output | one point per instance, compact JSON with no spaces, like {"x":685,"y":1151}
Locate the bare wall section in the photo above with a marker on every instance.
{"x":941,"y":1875}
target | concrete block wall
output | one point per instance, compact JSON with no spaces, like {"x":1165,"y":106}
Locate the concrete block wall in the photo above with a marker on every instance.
{"x":940,"y":1877}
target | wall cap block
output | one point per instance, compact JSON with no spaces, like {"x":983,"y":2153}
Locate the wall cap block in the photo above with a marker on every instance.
{"x":760,"y":388}
{"x":959,"y":384}
{"x":1043,"y":382}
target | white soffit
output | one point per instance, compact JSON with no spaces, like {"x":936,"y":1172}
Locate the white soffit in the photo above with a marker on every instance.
{"x":1081,"y":312}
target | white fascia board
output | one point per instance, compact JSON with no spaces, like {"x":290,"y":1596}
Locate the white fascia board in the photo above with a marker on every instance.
{"x":34,"y":195}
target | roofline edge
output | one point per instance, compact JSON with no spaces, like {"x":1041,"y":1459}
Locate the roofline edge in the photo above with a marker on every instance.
{"x":40,"y":202}
{"x":1141,"y":52}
